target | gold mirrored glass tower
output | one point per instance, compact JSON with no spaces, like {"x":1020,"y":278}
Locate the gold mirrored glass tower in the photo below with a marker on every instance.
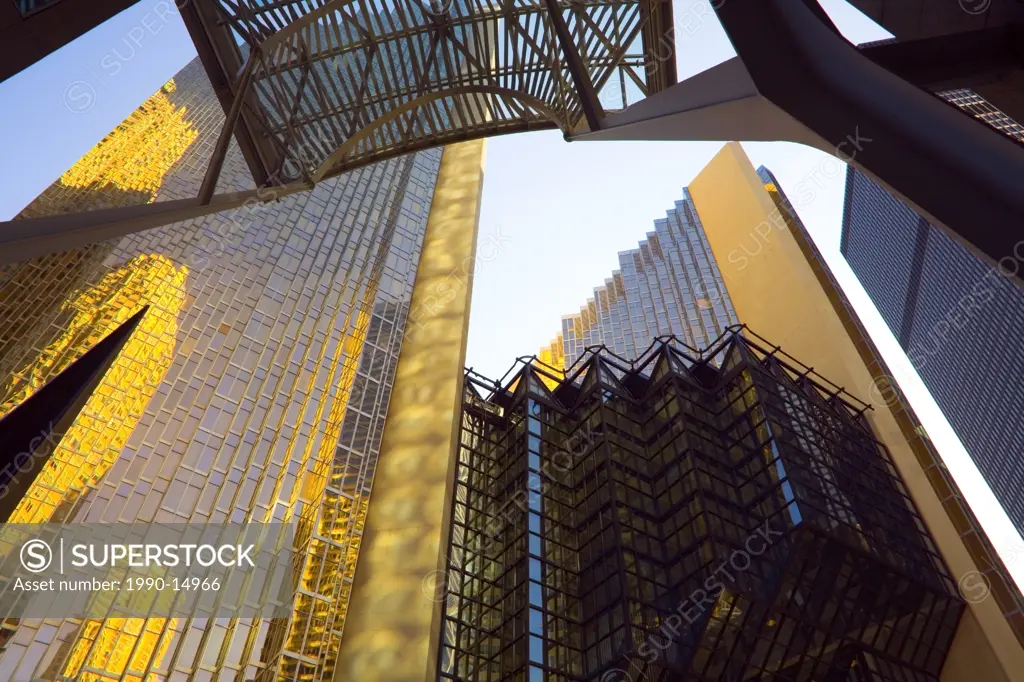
{"x":669,"y":285}
{"x":254,"y":389}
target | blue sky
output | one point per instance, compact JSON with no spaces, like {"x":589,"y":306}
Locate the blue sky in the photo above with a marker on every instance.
{"x":560,"y":212}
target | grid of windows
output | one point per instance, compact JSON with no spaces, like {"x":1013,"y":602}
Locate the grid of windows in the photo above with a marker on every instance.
{"x":967,"y":344}
{"x":669,"y":285}
{"x":959,"y":320}
{"x":255,"y":389}
{"x":710,"y":515}
{"x":882,"y":255}
{"x":982,"y":109}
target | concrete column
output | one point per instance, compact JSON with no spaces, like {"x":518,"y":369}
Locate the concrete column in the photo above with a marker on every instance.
{"x":393,"y":624}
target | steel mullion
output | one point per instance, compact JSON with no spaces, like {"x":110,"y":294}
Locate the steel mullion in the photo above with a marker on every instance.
{"x":446,"y":50}
{"x":306,"y":137}
{"x":375,"y":102}
{"x":420,"y":76}
{"x":357,"y":105}
{"x":289,"y":132}
{"x":272,"y":84}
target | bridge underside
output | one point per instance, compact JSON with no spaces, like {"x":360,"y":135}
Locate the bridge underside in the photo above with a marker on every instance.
{"x":989,"y":61}
{"x":315,"y":88}
{"x":975,"y":44}
{"x":33,"y":29}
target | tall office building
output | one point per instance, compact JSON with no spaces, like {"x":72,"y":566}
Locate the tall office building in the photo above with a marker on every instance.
{"x":682,"y":517}
{"x":602,"y":515}
{"x":254,"y":389}
{"x":958,"y":319}
{"x":669,"y":285}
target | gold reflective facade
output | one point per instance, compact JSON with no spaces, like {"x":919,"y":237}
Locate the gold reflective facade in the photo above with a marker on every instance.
{"x":125,"y":167}
{"x":255,"y":388}
{"x":394,"y":615}
{"x":90,"y":446}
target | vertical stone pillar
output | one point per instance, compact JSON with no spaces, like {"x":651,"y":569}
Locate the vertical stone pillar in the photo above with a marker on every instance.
{"x":392,"y":629}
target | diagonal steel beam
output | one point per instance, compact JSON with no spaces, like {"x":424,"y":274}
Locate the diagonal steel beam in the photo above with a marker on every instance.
{"x":581,"y":77}
{"x":220,"y":151}
{"x":24,"y":239}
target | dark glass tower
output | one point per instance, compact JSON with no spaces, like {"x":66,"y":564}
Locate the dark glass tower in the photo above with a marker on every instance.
{"x":681,"y":518}
{"x":959,"y":319}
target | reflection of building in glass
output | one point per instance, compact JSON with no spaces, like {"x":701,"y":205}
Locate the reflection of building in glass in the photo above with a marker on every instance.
{"x":89,"y":448}
{"x":948,"y":308}
{"x":125,"y":167}
{"x":670,"y":285}
{"x":255,"y":389}
{"x":681,"y":517}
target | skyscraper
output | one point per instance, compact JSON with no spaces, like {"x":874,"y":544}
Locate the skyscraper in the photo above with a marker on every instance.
{"x":254,"y":389}
{"x":669,"y":285}
{"x":552,"y":452}
{"x":682,"y":517}
{"x":959,"y":319}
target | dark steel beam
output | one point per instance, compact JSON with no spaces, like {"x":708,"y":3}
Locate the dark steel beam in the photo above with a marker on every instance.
{"x":930,"y":61}
{"x":913,"y":19}
{"x":986,"y":61}
{"x":220,"y":151}
{"x":819,"y":90}
{"x":584,"y":86}
{"x":24,"y":40}
{"x":222,"y":61}
{"x":33,"y":237}
{"x":24,"y":239}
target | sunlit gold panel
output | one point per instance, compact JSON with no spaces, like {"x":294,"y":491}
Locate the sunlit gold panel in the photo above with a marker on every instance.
{"x":96,"y":437}
{"x":106,"y":421}
{"x":122,"y":647}
{"x":553,"y":356}
{"x":128,"y":166}
{"x":85,"y":301}
{"x":393,"y":623}
{"x":262,"y":397}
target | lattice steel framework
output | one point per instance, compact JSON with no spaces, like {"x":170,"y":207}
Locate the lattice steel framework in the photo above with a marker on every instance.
{"x":328,"y":85}
{"x":315,"y":88}
{"x":702,"y":515}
